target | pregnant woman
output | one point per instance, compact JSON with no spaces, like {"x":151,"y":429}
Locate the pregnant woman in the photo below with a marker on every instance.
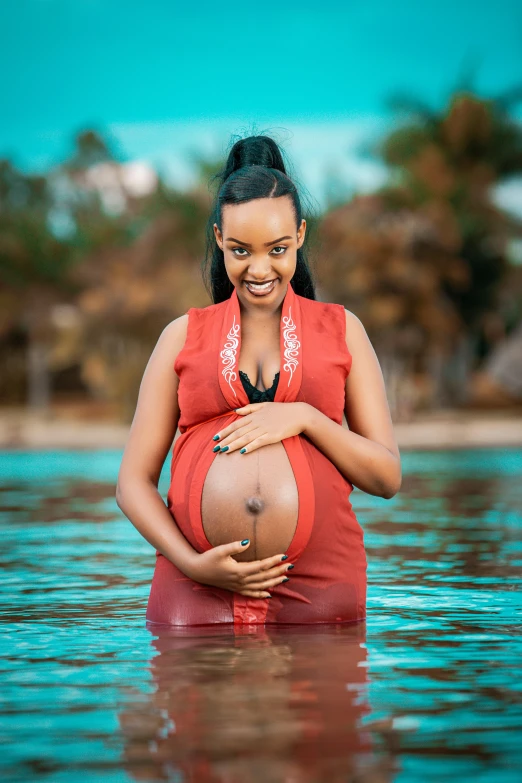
{"x":258,"y":526}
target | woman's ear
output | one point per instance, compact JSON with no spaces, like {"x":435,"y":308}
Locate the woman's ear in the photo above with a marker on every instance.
{"x":218,"y":235}
{"x":301,"y":233}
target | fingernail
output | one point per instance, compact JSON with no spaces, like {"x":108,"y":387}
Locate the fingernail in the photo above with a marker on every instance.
{"x":242,"y":451}
{"x":224,"y":448}
{"x":285,"y":557}
{"x":245,"y":540}
{"x":216,"y":437}
{"x":216,"y":448}
{"x":268,"y":596}
{"x":289,"y":567}
{"x":286,"y":579}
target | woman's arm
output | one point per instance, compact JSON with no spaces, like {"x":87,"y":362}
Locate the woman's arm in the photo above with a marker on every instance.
{"x":150,"y":439}
{"x":367,"y":454}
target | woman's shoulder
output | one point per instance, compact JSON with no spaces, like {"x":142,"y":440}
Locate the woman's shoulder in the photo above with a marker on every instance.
{"x":356,"y":336}
{"x":180,"y":325}
{"x":354,"y":325}
{"x":321,"y":309}
{"x":173,"y":336}
{"x":207,"y":312}
{"x":344,"y":320}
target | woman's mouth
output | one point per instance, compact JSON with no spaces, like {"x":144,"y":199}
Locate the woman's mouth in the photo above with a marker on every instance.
{"x":260,"y":289}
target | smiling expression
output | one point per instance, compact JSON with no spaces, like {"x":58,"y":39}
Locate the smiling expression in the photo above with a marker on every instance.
{"x":259,"y":244}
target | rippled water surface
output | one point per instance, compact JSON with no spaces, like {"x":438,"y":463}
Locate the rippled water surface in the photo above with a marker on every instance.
{"x":428,"y":689}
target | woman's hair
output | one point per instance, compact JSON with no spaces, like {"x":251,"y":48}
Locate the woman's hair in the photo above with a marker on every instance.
{"x":254,"y":169}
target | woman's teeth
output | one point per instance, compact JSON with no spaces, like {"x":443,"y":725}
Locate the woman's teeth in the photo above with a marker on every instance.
{"x":260,"y":288}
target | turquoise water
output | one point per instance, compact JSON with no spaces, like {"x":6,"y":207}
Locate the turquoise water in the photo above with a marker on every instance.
{"x":428,"y":688}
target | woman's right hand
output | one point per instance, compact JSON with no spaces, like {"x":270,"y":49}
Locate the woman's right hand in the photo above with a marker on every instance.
{"x":254,"y":578}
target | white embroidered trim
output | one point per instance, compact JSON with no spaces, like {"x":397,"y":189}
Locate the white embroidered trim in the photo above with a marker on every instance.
{"x":292,"y":345}
{"x":228,"y":354}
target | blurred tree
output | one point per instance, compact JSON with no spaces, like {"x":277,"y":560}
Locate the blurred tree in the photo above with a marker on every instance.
{"x":446,"y":165}
{"x":422,"y":261}
{"x":95,"y":259}
{"x":129,"y":294}
{"x":33,"y":267}
{"x":137,"y":252}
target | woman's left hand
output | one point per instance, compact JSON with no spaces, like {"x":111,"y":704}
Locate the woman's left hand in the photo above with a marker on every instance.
{"x":262,"y":423}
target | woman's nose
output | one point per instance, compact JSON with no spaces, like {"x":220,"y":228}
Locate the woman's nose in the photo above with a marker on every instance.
{"x":259,"y":267}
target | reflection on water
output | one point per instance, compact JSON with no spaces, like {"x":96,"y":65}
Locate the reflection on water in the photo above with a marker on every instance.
{"x":427,"y":688}
{"x":258,"y":705}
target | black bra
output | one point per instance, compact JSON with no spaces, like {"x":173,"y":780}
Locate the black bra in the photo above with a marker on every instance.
{"x":257,"y":395}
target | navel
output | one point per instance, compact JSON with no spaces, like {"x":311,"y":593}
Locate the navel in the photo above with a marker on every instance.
{"x":255,"y":505}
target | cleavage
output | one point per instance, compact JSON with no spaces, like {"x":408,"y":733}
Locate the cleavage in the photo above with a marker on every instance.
{"x":263,"y":348}
{"x":260,"y":378}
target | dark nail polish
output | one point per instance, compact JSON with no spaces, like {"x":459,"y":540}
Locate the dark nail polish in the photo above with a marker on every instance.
{"x":245,"y":541}
{"x":216,"y":448}
{"x":285,"y":557}
{"x":289,"y":567}
{"x":268,"y":596}
{"x":216,"y":437}
{"x":242,"y":451}
{"x":224,"y":448}
{"x":286,"y":579}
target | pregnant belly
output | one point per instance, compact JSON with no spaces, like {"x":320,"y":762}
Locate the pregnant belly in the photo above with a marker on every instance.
{"x":251,"y":496}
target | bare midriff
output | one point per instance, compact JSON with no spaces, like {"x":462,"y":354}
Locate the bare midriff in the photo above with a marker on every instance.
{"x":252,"y":495}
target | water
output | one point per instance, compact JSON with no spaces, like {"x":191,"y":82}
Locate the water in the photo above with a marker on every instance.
{"x":428,"y":689}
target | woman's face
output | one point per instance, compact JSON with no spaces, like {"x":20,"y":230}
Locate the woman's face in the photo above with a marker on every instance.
{"x":260,"y":243}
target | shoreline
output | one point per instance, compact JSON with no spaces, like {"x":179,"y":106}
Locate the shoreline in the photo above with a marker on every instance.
{"x":21,"y":430}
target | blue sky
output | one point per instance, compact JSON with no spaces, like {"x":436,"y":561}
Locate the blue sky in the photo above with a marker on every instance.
{"x":168,"y":80}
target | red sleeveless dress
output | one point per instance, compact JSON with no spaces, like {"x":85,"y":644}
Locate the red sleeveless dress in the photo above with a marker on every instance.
{"x":328,"y":583}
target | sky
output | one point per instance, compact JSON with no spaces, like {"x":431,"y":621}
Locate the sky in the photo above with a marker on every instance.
{"x":169,"y":81}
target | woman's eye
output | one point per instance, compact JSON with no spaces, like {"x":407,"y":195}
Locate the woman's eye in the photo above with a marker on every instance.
{"x":241,"y":255}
